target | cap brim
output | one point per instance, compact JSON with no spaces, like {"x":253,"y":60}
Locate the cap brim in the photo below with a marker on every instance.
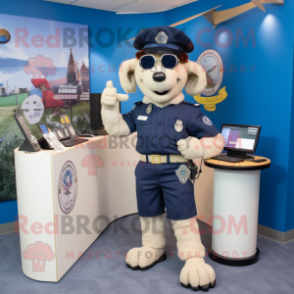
{"x":163,"y":48}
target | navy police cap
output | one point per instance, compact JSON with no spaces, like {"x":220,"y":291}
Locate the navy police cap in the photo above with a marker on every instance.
{"x":163,"y":39}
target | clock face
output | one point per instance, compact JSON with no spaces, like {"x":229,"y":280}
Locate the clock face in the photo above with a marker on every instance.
{"x":212,"y":63}
{"x":67,"y":187}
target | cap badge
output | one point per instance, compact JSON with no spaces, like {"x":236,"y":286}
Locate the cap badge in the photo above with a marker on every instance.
{"x":161,"y":38}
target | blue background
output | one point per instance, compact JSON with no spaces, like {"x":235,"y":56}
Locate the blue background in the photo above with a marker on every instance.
{"x":262,"y":97}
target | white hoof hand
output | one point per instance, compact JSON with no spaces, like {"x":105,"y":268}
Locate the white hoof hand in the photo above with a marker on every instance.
{"x":197,"y":275}
{"x":144,"y":257}
{"x":110,"y":97}
{"x":190,"y":148}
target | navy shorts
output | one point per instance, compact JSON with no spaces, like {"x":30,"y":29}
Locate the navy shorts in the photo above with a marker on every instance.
{"x":158,"y":187}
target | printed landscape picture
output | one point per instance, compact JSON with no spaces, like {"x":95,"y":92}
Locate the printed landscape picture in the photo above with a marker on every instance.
{"x":44,"y":63}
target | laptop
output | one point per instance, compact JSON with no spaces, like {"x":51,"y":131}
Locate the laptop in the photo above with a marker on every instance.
{"x":239,"y":140}
{"x":63,"y":135}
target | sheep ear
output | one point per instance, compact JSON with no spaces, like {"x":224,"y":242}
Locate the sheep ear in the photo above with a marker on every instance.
{"x":127,"y":75}
{"x":196,"y":81}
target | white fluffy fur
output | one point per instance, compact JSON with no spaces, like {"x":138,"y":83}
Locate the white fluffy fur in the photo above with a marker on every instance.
{"x":112,"y":119}
{"x":197,"y":81}
{"x":153,"y":241}
{"x":195,"y":271}
{"x":188,"y":238}
{"x":178,"y":99}
{"x":126,"y":75}
{"x":192,"y":148}
{"x":114,"y":123}
{"x":189,"y":75}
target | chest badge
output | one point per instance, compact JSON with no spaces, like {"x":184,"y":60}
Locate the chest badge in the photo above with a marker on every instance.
{"x":183,"y":173}
{"x":179,"y":125}
{"x":149,"y":109}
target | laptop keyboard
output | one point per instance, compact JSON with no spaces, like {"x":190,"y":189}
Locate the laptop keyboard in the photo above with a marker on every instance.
{"x":228,"y":158}
{"x":73,"y":142}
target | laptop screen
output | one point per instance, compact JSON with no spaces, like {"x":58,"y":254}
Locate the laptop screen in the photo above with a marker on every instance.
{"x":238,"y":137}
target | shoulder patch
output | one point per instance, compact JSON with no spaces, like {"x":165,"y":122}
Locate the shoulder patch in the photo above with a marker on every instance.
{"x":192,"y":104}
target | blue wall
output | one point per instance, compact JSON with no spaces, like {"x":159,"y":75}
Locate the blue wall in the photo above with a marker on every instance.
{"x":262,"y":97}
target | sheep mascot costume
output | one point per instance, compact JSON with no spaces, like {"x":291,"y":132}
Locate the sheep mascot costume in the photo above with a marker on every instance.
{"x":171,"y":132}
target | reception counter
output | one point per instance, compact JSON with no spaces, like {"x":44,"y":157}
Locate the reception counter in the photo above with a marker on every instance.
{"x":66,"y":199}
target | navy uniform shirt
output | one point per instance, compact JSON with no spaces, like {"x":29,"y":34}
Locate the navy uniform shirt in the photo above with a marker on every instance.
{"x":159,"y":131}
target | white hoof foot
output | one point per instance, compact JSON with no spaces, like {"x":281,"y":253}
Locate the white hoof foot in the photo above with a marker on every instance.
{"x":144,"y":257}
{"x":197,"y":275}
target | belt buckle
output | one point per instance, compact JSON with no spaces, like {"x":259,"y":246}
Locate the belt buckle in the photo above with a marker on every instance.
{"x":156,"y":159}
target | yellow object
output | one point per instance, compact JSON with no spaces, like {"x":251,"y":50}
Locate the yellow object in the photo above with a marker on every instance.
{"x":155,"y":159}
{"x":4,"y":33}
{"x":158,"y":159}
{"x":67,"y":119}
{"x":62,"y":120}
{"x":210,"y":102}
{"x":237,"y":165}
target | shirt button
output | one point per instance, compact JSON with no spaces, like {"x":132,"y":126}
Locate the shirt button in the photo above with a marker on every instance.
{"x":159,"y":138}
{"x":160,"y":124}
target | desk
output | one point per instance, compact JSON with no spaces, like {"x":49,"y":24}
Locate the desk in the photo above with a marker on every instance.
{"x":65,"y":200}
{"x":235,"y":211}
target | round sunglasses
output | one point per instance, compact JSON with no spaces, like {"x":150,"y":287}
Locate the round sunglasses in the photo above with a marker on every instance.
{"x":167,"y":60}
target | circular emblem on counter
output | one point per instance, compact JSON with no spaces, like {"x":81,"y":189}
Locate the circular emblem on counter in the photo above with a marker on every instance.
{"x":67,"y":187}
{"x":212,"y":63}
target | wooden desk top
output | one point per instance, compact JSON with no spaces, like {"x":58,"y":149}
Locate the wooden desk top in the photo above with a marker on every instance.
{"x":245,"y":165}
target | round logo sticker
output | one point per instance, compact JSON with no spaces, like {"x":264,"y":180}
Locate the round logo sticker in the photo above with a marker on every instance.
{"x":212,"y":63}
{"x":33,"y":109}
{"x":207,"y":121}
{"x":67,"y":187}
